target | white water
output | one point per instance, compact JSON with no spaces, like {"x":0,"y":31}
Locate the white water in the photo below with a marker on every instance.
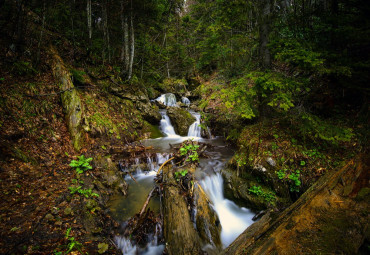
{"x":166,"y":126}
{"x":233,"y":219}
{"x":195,"y":129}
{"x":152,"y":248}
{"x":168,"y":99}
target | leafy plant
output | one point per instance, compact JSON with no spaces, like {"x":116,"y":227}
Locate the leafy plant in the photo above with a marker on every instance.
{"x":256,"y":190}
{"x":190,"y":150}
{"x":180,"y":174}
{"x":85,"y":192}
{"x":268,"y":196}
{"x":73,"y":244}
{"x":82,"y":164}
{"x":295,"y":181}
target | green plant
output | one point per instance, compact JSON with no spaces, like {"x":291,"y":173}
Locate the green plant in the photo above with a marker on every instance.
{"x":256,"y":190}
{"x":82,"y":164}
{"x":85,"y":192}
{"x":295,"y":181}
{"x":190,"y":150}
{"x":181,"y":173}
{"x":281,"y":173}
{"x":268,"y":196}
{"x":73,"y":244}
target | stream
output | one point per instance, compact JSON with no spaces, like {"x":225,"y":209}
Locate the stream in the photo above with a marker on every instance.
{"x":233,"y":219}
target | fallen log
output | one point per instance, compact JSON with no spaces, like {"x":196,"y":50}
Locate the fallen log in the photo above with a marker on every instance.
{"x":181,"y":237}
{"x":316,"y":222}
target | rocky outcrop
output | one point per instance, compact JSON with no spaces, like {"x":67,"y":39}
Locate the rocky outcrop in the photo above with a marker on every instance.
{"x":71,"y":101}
{"x":331,"y":217}
{"x":181,"y":120}
{"x":149,"y":111}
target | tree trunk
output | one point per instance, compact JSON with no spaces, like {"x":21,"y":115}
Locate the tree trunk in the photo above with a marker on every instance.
{"x":179,"y":231}
{"x":132,"y":47}
{"x":264,"y":33}
{"x":106,"y":50}
{"x":73,"y":108}
{"x":89,"y":22}
{"x":41,"y":32}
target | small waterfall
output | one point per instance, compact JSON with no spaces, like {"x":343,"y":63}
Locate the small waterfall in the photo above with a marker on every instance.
{"x":195,"y":129}
{"x":165,"y":124}
{"x":234,"y":219}
{"x":168,"y":99}
{"x":152,"y":248}
{"x":185,"y":101}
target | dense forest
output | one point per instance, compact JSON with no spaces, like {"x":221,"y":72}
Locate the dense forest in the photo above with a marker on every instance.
{"x":270,"y":97}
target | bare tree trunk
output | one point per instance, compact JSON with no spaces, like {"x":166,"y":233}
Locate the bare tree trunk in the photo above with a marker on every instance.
{"x":106,"y":50}
{"x":41,"y":32}
{"x":264,"y":33}
{"x":132,"y":47}
{"x":122,"y":58}
{"x":126,"y":49}
{"x":89,"y":22}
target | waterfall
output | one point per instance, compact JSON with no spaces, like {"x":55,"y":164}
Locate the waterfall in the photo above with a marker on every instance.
{"x":195,"y":129}
{"x":168,"y":99}
{"x":152,"y":248}
{"x":233,"y":219}
{"x":165,"y":125}
{"x":185,"y":101}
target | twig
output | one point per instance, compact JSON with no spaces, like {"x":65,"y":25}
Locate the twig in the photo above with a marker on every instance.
{"x":132,"y":177}
{"x":147,"y":201}
{"x":159,"y":170}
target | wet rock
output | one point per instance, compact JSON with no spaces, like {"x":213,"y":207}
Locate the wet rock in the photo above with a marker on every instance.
{"x":207,"y":221}
{"x":181,"y":120}
{"x":271,"y":162}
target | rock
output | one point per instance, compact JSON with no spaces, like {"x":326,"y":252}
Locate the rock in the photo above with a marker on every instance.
{"x":271,"y":161}
{"x":207,"y":221}
{"x":150,"y":112}
{"x":181,"y":120}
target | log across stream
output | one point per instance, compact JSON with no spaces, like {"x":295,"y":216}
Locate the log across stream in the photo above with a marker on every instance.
{"x":207,"y":223}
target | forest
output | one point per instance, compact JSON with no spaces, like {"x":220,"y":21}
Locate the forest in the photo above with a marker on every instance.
{"x":184,"y":127}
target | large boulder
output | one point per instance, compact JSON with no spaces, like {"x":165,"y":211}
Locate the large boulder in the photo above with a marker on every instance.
{"x":150,"y":112}
{"x":181,"y":120}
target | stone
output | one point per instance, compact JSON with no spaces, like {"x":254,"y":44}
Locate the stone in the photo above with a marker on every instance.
{"x":181,"y":120}
{"x":271,"y":162}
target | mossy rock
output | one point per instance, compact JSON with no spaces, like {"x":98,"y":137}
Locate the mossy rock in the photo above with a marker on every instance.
{"x":181,"y":120}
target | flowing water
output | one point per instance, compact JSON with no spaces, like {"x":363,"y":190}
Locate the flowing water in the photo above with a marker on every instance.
{"x":233,"y":219}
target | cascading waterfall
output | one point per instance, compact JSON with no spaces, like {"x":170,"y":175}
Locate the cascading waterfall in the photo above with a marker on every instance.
{"x":153,"y":247}
{"x":167,"y":99}
{"x":195,"y":128}
{"x":233,"y":219}
{"x":165,"y":124}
